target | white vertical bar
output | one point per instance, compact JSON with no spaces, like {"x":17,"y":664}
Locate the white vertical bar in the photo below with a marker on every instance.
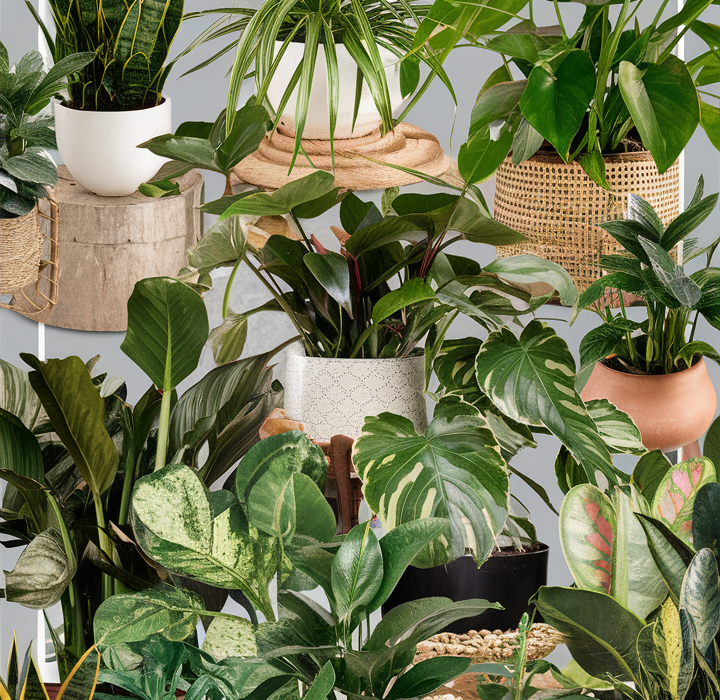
{"x":681,"y":55}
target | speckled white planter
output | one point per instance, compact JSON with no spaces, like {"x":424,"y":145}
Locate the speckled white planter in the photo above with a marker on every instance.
{"x":333,"y":396}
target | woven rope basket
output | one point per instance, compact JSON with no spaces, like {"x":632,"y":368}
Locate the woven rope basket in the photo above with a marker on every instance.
{"x":21,"y":242}
{"x":556,"y":205}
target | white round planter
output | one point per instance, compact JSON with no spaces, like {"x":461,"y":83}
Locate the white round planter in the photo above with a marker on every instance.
{"x":333,"y":396}
{"x":100,"y":148}
{"x":317,"y":125}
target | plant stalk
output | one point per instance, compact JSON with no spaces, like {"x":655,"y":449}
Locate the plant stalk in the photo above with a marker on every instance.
{"x":163,"y":427}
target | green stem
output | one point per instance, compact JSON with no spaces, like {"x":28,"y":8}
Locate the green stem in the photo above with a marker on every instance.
{"x":129,"y":475}
{"x":105,"y":544}
{"x":308,"y":243}
{"x":163,"y":427}
{"x":361,"y":340}
{"x":559,"y":17}
{"x":228,"y":288}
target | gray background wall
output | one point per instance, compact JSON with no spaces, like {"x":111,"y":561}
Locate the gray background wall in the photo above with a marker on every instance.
{"x":201,"y":96}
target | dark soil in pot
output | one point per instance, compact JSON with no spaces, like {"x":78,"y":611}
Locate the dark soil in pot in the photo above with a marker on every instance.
{"x":510,"y":578}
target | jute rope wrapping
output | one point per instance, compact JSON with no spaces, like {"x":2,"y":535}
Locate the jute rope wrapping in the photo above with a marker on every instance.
{"x":557,"y":206}
{"x":21,"y":242}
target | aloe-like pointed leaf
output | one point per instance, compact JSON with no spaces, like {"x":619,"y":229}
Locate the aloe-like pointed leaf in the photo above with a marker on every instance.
{"x":167,"y":330}
{"x":700,"y":598}
{"x":453,"y":471}
{"x":133,"y":617}
{"x":77,"y":413}
{"x":186,"y":535}
{"x":531,"y":379}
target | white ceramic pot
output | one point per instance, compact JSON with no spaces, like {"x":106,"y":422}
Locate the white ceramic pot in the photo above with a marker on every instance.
{"x":333,"y":396}
{"x":317,"y":125}
{"x":99,"y":148}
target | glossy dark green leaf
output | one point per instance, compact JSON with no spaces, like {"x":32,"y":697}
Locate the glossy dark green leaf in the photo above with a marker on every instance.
{"x":427,"y":676}
{"x":483,"y":153}
{"x":670,"y":275}
{"x":332,"y":272}
{"x":19,"y":449}
{"x":495,"y":103}
{"x":706,"y":524}
{"x":323,"y":684}
{"x":649,"y":473}
{"x":526,"y":142}
{"x":414,"y":291}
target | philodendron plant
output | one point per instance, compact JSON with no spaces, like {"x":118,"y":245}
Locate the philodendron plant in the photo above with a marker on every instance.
{"x":71,"y":449}
{"x":673,"y":299}
{"x":608,"y":86}
{"x":276,"y":523}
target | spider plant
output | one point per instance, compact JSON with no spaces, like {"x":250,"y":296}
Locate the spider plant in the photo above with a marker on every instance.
{"x":363,"y":28}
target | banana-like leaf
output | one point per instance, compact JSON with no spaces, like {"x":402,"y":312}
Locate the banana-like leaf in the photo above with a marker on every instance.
{"x":606,"y":549}
{"x":453,"y":471}
{"x":531,"y":379}
{"x":77,"y":413}
{"x":133,"y":617}
{"x":167,"y":330}
{"x":205,"y":536}
{"x":674,"y":499}
{"x":700,"y":598}
{"x":230,"y":638}
{"x":41,"y":574}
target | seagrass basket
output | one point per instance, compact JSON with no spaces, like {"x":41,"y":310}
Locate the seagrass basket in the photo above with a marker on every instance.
{"x":21,"y":243}
{"x":556,"y":205}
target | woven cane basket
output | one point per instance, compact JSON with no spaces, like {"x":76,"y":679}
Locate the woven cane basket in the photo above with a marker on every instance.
{"x":21,"y":242}
{"x":556,"y":205}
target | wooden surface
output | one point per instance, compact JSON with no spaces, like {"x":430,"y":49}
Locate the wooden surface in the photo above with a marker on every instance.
{"x":107,"y":244}
{"x":408,"y":146}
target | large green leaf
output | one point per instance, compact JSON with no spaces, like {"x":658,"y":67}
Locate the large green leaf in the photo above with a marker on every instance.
{"x":483,"y":154}
{"x":555,"y":103}
{"x":357,"y":572}
{"x":663,"y":103}
{"x":41,"y":574}
{"x":674,"y":499}
{"x":221,"y":246}
{"x":179,"y":524}
{"x":19,"y":449}
{"x":427,"y":676}
{"x":167,"y":330}
{"x":453,"y":472}
{"x":531,"y":379}
{"x":700,"y":598}
{"x":649,"y":472}
{"x":601,"y":633}
{"x":77,"y":412}
{"x":133,"y":617}
{"x":332,"y":271}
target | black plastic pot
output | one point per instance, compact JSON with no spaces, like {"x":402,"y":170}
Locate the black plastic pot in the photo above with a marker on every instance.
{"x":510,"y":578}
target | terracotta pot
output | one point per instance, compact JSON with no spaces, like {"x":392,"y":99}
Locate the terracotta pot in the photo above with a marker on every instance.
{"x":671,"y":410}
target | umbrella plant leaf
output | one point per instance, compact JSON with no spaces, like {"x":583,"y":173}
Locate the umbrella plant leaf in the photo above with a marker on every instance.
{"x":540,"y":362}
{"x":175,"y":525}
{"x":674,"y":498}
{"x":453,"y":472}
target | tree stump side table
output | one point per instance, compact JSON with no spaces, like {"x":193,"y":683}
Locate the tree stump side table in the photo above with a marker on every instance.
{"x":107,"y":244}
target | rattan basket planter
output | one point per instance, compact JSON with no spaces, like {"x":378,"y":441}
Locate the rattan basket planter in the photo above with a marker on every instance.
{"x":557,"y":206}
{"x":21,"y":242}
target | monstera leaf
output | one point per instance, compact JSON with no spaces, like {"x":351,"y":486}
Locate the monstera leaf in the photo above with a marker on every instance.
{"x":531,"y":379}
{"x":204,"y":535}
{"x":606,"y":549}
{"x":674,"y":499}
{"x":453,"y":471}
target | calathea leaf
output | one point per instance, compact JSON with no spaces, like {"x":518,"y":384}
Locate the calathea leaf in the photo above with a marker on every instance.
{"x":540,"y":362}
{"x":453,"y":472}
{"x":193,"y":533}
{"x":171,"y":612}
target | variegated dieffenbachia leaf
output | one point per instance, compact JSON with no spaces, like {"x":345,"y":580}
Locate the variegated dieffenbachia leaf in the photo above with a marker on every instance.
{"x":230,"y":637}
{"x":453,"y":471}
{"x":606,"y":549}
{"x":204,"y":535}
{"x":675,"y":496}
{"x":531,"y":379}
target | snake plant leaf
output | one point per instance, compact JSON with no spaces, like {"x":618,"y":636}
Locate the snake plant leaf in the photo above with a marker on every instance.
{"x":357,"y":571}
{"x":427,"y":676}
{"x":531,"y":379}
{"x":706,"y":524}
{"x":453,"y":471}
{"x":227,"y":637}
{"x":332,"y":271}
{"x":77,"y":413}
{"x":555,"y":102}
{"x":30,"y":685}
{"x":82,"y":680}
{"x":700,"y":598}
{"x":171,"y":612}
{"x":674,"y":499}
{"x":618,"y":430}
{"x":18,"y":397}
{"x":41,"y":574}
{"x":672,"y":556}
{"x":167,"y":330}
{"x":176,"y":524}
{"x":662,"y":101}
{"x":601,"y":633}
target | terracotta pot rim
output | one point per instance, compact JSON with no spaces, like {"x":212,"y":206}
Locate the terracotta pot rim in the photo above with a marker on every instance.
{"x":653,"y":377}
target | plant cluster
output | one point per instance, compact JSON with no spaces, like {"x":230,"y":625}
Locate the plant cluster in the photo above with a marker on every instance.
{"x":605,"y":88}
{"x":26,"y":133}
{"x":130,"y":43}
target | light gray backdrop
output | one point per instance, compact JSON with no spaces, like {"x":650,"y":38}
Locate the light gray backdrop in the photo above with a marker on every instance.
{"x":201,"y":96}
